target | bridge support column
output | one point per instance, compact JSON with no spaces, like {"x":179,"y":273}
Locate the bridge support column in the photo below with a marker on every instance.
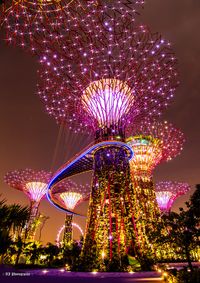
{"x":67,"y":238}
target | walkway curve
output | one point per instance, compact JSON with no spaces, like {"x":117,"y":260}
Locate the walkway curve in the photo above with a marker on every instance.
{"x":80,"y":163}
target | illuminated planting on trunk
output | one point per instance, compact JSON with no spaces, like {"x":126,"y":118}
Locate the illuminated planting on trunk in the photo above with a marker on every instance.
{"x":110,"y":227}
{"x":167,"y":192}
{"x":152,"y":143}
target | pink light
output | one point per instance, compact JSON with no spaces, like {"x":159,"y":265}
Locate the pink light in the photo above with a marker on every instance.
{"x":101,"y":89}
{"x":36,"y":190}
{"x":168,"y":191}
{"x":71,"y":199}
{"x":164,"y":200}
{"x":107,"y":100}
{"x":153,"y":142}
{"x":69,"y":194}
{"x":32,"y":183}
{"x":30,"y":21}
{"x":62,"y":229}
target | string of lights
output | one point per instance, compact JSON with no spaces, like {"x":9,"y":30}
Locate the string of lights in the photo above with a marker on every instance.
{"x":32,"y":24}
{"x":138,"y":69}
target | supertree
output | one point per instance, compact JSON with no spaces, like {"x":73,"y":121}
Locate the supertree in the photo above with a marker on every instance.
{"x":34,"y":185}
{"x":153,"y":142}
{"x":98,"y":86}
{"x":167,"y":192}
{"x":103,"y":88}
{"x":33,"y":23}
{"x":69,"y":195}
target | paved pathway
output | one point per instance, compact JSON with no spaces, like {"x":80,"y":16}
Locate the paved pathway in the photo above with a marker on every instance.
{"x":61,"y":276}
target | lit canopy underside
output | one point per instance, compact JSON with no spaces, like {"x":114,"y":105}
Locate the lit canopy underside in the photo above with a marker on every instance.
{"x":147,"y":154}
{"x":107,"y":100}
{"x":71,"y":199}
{"x":165,"y":200}
{"x":32,"y":183}
{"x":168,"y":191}
{"x":36,"y":190}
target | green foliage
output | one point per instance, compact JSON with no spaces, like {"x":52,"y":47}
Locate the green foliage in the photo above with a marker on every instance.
{"x":12,"y":220}
{"x":71,"y":256}
{"x":35,"y":251}
{"x":51,"y":251}
{"x":184,"y":276}
{"x":183,"y":229}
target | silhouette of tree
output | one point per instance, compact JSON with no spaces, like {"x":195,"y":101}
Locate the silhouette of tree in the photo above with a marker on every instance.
{"x":183,"y":228}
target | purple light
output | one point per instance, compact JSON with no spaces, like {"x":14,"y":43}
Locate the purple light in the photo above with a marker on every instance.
{"x":36,"y":190}
{"x":32,"y":183}
{"x":117,"y":83}
{"x":107,"y":100}
{"x":70,"y":199}
{"x":68,"y":194}
{"x":167,"y":192}
{"x":54,"y":183}
{"x":34,"y":23}
{"x":165,"y":200}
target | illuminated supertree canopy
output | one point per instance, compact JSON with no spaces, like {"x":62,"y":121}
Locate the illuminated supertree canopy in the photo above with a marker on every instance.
{"x":69,"y":194}
{"x":32,"y":23}
{"x":111,"y":74}
{"x":99,"y":86}
{"x":104,"y":86}
{"x":153,"y":142}
{"x":32,"y":183}
{"x":167,"y":192}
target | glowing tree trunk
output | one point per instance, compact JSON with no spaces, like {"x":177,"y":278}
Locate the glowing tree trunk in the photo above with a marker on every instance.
{"x":110,"y":229}
{"x":147,"y":212}
{"x":33,"y":223}
{"x":147,"y":154}
{"x":67,"y":238}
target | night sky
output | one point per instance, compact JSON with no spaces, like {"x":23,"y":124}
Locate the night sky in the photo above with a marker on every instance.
{"x":30,"y":138}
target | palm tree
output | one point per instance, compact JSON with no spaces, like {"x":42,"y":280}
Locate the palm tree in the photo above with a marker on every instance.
{"x":12,"y":220}
{"x":17,"y":218}
{"x":5,"y":242}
